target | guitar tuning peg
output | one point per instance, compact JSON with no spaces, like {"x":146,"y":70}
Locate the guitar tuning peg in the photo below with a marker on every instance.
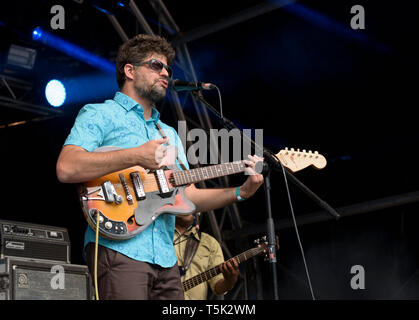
{"x":292,"y":149}
{"x":316,"y":152}
{"x":304,"y":150}
{"x":286,"y":148}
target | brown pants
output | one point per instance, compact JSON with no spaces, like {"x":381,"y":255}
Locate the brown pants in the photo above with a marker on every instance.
{"x":122,"y":278}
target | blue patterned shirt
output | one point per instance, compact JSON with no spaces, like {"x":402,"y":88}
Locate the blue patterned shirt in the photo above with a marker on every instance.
{"x":120,"y":122}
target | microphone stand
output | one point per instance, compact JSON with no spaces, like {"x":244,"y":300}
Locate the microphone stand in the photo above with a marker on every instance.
{"x":272,"y":162}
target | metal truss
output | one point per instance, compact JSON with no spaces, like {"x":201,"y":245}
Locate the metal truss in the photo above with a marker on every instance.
{"x":13,"y":93}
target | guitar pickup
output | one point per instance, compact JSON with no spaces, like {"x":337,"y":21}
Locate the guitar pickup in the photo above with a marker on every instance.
{"x":162,"y":183}
{"x":110,"y":193}
{"x":138,"y":185}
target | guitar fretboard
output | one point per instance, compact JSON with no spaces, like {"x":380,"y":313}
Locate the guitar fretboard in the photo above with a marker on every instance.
{"x":204,"y":173}
{"x":211,"y":273}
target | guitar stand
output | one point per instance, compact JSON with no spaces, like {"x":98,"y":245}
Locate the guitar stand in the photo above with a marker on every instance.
{"x":270,"y":162}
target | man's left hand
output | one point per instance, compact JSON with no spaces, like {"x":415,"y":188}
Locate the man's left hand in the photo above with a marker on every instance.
{"x":254,"y":181}
{"x":230,"y":270}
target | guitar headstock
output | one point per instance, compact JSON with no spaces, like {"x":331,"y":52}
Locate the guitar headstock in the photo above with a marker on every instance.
{"x":262,"y":243}
{"x":296,"y":160}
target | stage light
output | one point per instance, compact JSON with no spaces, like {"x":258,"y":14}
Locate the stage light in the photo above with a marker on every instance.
{"x":83,"y":88}
{"x":55,"y":93}
{"x":21,"y":56}
{"x":37,"y":33}
{"x":72,"y":50}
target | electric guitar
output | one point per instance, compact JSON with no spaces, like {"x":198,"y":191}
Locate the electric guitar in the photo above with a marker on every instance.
{"x":211,"y":273}
{"x":128,"y":201}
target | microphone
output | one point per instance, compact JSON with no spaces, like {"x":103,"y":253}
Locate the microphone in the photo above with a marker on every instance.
{"x":180,"y":85}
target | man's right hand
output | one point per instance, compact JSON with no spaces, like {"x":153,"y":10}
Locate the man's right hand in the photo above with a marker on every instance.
{"x":152,"y":153}
{"x":76,"y":165}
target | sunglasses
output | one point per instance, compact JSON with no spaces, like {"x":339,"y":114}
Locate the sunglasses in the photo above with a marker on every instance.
{"x":156,"y":65}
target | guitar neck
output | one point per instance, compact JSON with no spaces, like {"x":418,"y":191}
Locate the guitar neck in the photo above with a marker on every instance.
{"x":211,"y":273}
{"x":209,"y":172}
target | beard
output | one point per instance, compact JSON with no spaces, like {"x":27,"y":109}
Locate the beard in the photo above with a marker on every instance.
{"x":154,"y":92}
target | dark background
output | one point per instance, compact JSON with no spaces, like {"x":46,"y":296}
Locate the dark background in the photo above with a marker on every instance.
{"x":298,"y":72}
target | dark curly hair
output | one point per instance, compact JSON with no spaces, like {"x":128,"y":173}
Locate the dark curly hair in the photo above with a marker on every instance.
{"x":137,"y":49}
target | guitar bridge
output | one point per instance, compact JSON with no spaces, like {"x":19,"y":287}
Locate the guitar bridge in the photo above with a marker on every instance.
{"x":126,"y":189}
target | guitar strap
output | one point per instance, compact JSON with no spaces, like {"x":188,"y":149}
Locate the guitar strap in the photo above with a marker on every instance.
{"x":190,"y":250}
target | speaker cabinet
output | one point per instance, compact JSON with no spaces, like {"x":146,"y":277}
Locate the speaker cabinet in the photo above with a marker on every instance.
{"x":22,"y":279}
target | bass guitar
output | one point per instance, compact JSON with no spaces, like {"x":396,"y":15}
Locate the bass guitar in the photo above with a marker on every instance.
{"x":211,"y":273}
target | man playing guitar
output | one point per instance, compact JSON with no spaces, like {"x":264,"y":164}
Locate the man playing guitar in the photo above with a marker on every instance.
{"x":144,"y":266}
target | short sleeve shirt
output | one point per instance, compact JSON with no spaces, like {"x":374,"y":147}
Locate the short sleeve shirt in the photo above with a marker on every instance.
{"x":120,"y":122}
{"x":208,"y":255}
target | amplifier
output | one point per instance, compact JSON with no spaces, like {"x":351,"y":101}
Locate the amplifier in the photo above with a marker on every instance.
{"x":34,"y":241}
{"x":22,"y":279}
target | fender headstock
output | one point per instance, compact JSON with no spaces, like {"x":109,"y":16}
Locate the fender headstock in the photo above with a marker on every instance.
{"x":296,"y":160}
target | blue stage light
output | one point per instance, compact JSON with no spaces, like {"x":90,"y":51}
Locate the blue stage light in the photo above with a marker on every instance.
{"x":55,"y":93}
{"x":72,"y":50}
{"x":37,"y":33}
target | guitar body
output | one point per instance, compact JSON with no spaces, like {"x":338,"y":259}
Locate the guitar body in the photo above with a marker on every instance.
{"x":123,"y":210}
